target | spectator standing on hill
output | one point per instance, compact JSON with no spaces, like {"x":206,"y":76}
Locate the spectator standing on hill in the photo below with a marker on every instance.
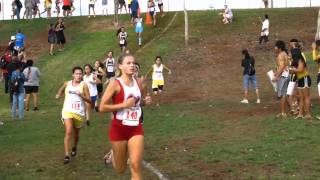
{"x":18,"y":6}
{"x":66,"y":7}
{"x":104,"y":7}
{"x":122,"y":3}
{"x":266,"y":3}
{"x":134,"y":10}
{"x":264,"y":30}
{"x":36,"y":9}
{"x":28,"y":9}
{"x":31,"y":86}
{"x":59,"y":28}
{"x":48,"y":5}
{"x":152,"y":11}
{"x":160,"y":6}
{"x":52,"y":38}
{"x":5,"y":60}
{"x":249,"y":75}
{"x":57,"y":2}
{"x":281,"y":76}
{"x":10,"y":68}
{"x":91,"y":6}
{"x":16,"y":84}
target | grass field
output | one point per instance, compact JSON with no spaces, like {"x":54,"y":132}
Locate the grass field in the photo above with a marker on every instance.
{"x":198,"y":138}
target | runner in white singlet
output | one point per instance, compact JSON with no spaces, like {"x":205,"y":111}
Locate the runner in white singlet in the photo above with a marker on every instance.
{"x":73,"y":112}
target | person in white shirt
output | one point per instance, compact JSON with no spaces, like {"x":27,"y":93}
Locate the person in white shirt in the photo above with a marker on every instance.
{"x":91,"y":81}
{"x":264,"y":30}
{"x":227,"y":15}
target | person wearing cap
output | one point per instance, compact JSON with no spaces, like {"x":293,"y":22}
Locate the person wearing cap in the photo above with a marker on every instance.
{"x":227,"y":15}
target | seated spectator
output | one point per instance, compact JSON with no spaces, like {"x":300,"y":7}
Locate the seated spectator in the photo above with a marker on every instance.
{"x":227,"y":15}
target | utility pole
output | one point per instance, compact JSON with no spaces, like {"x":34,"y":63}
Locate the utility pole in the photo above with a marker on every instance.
{"x":186,"y":26}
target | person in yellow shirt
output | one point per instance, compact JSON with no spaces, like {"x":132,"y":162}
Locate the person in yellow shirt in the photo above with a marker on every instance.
{"x":304,"y":84}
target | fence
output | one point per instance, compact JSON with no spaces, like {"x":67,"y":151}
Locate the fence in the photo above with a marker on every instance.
{"x":170,"y":5}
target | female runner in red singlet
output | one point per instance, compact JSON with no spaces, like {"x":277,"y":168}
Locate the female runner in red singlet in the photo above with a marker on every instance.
{"x":124,"y":98}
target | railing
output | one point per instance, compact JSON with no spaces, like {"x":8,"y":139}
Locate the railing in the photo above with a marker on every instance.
{"x":169,"y":5}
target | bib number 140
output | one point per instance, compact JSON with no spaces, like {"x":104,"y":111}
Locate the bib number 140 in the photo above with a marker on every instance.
{"x":132,"y":117}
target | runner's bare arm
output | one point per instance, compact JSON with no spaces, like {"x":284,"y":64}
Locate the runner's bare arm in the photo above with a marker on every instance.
{"x":106,"y":101}
{"x":315,"y":55}
{"x":146,"y":98}
{"x":165,"y":67}
{"x":61,"y":89}
{"x":151,"y":69}
{"x":282,"y":66}
{"x":96,"y":80}
{"x":86,"y":96}
{"x":103,"y":72}
{"x":300,"y":67}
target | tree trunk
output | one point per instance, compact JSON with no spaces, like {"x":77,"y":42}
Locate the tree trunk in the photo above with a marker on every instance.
{"x":116,"y":16}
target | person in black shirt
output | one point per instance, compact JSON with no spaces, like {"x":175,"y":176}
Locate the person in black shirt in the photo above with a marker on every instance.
{"x":249,"y":75}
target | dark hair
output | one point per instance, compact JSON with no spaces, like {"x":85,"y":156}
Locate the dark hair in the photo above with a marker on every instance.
{"x":281,"y":45}
{"x":158,"y":57}
{"x":119,"y":30}
{"x":137,"y":64}
{"x":18,"y":30}
{"x":246,"y":54}
{"x":266,"y":16}
{"x":318,"y":43}
{"x":294,"y":40}
{"x":29,"y":63}
{"x":76,"y":68}
{"x":91,"y":68}
{"x":100,"y":64}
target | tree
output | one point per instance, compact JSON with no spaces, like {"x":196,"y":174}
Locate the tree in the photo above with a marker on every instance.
{"x":116,"y":16}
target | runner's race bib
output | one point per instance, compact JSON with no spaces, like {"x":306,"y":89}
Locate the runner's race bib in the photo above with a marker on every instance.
{"x":131,"y":116}
{"x":110,"y":69}
{"x":122,"y":41}
{"x":76,"y":105}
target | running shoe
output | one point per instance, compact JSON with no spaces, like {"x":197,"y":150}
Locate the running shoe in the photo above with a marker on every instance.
{"x":66,"y":160}
{"x":1,"y":123}
{"x":36,"y":109}
{"x":244,"y":101}
{"x":258,"y":101}
{"x":88,"y":122}
{"x":73,"y":152}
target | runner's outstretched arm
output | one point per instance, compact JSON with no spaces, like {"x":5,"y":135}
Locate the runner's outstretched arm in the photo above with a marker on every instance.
{"x":165,"y":67}
{"x":61,"y":89}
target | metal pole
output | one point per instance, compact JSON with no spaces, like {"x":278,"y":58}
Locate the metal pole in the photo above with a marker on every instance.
{"x":80,"y":8}
{"x":186,"y":27}
{"x":2,"y":9}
